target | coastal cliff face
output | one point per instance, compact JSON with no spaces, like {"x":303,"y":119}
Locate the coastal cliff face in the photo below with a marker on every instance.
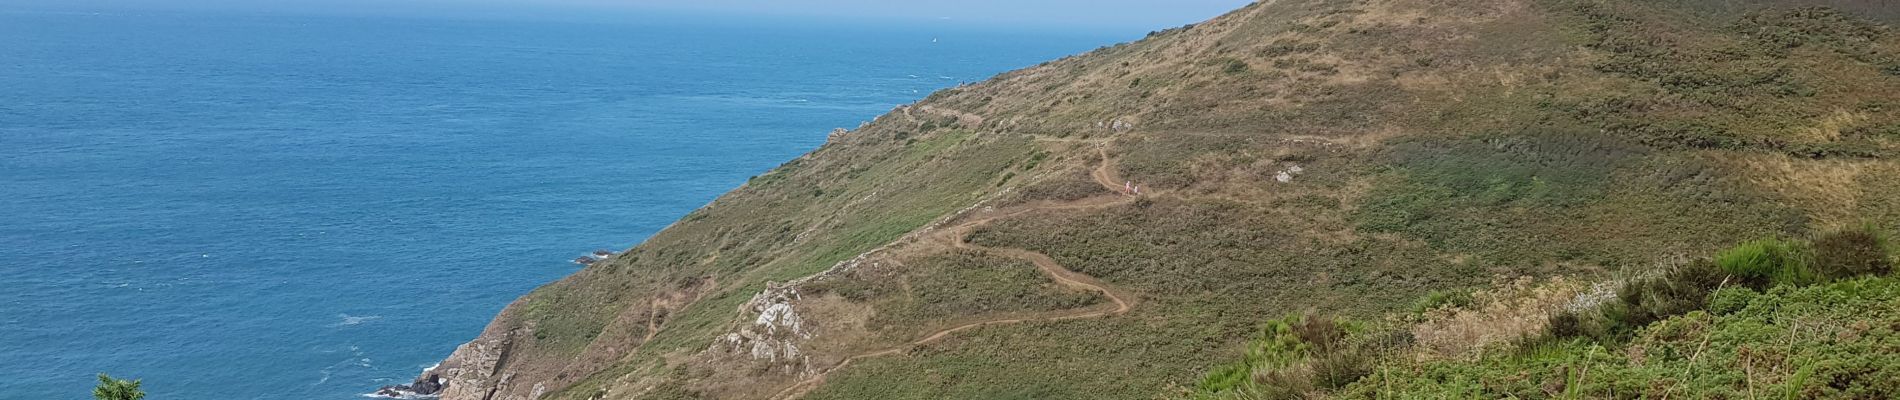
{"x":1110,"y":224}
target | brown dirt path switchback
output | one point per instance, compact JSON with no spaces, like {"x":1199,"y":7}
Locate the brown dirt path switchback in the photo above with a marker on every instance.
{"x":958,"y":236}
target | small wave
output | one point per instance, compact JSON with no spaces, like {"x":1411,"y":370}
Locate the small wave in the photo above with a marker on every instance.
{"x":356,"y":359}
{"x":594,"y":257}
{"x":349,"y":320}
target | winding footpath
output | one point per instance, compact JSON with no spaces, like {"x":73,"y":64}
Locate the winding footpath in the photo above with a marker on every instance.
{"x":958,"y":236}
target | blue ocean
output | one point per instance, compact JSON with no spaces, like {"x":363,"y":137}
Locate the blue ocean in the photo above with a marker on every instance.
{"x":255,"y":206}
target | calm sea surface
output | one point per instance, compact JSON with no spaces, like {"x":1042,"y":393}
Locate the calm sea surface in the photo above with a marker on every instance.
{"x":280,"y":207}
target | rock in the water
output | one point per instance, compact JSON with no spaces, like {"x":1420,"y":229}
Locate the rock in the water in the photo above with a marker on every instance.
{"x":429,"y":386}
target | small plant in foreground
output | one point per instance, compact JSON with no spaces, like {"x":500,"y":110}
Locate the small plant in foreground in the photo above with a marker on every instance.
{"x":1767,"y":262}
{"x":1295,"y":358}
{"x":117,"y":389}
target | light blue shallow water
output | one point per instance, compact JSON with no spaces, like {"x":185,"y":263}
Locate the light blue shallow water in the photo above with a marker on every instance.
{"x":244,"y":207}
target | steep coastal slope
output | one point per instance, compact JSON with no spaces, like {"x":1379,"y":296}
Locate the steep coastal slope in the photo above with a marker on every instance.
{"x":1111,"y":224}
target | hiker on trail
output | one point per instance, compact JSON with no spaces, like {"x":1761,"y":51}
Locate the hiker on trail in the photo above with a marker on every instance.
{"x":1128,"y":186}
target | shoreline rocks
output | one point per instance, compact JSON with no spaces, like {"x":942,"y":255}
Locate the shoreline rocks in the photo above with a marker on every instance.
{"x":427,"y":387}
{"x":596,"y":256}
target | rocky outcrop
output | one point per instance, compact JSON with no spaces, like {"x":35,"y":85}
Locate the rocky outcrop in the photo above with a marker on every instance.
{"x":473,"y":371}
{"x":470,"y":373}
{"x":429,"y":385}
{"x":774,"y":335}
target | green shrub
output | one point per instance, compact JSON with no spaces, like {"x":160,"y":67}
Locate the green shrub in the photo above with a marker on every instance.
{"x":1440,"y":298}
{"x":1296,"y":357}
{"x":1566,"y":324}
{"x":1287,"y":47}
{"x":1731,"y":300}
{"x":1639,"y":302}
{"x":1605,"y":323}
{"x":1323,"y":334}
{"x":1753,"y":353}
{"x":117,"y":389}
{"x":1767,"y":262}
{"x":1278,"y":347}
{"x":1851,"y":253}
{"x":1225,"y":378}
{"x":1690,"y":287}
{"x":1677,"y":292}
{"x":1290,"y":382}
{"x":1234,"y":66}
{"x":1338,"y":368}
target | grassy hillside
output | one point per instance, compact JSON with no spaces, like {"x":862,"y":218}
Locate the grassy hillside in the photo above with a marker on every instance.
{"x":1343,"y":157}
{"x":1830,"y":341}
{"x":1771,"y":319}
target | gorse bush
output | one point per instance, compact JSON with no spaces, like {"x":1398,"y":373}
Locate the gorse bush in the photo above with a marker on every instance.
{"x":1320,"y":333}
{"x":1567,"y":324}
{"x":1851,"y":253}
{"x":1281,"y":345}
{"x":1731,"y":299}
{"x":1294,"y":358}
{"x":1639,"y":302}
{"x":1440,"y":298}
{"x":1338,"y":368}
{"x":1277,"y":346}
{"x":1679,"y":291}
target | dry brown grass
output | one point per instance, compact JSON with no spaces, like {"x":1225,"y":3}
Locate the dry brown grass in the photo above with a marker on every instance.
{"x":1509,"y":311}
{"x":1828,"y":128}
{"x":1830,"y":190}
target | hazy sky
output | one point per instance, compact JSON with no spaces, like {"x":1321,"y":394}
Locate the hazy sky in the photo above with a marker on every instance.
{"x":1114,"y":14}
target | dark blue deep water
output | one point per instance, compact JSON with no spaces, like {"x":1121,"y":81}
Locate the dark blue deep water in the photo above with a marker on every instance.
{"x":283,"y":207}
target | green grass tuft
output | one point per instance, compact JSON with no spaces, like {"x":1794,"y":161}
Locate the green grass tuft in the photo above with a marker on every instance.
{"x":1766,"y":262}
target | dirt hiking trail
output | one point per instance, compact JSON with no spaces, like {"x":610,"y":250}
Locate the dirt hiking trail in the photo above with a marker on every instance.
{"x":958,"y":236}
